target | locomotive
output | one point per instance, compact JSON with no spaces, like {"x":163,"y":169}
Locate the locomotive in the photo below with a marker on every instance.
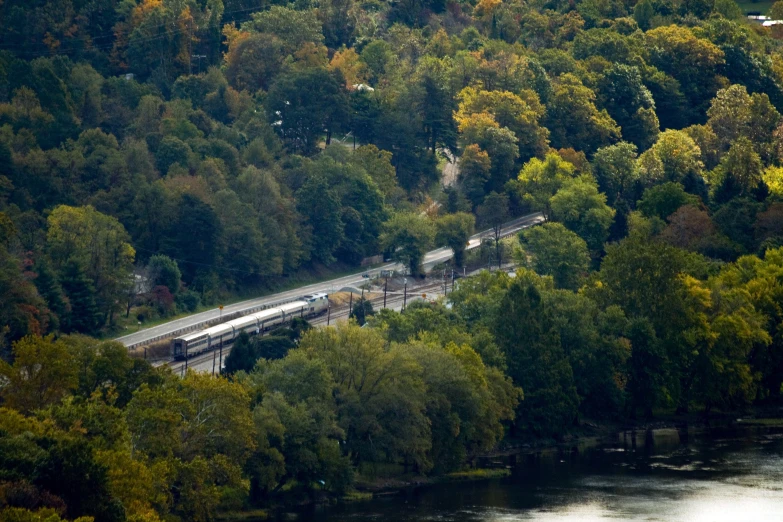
{"x":223,"y":335}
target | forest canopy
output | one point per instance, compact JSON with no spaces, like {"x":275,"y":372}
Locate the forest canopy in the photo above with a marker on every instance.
{"x":159,"y":156}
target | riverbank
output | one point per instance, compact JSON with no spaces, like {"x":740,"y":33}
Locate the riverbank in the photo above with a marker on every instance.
{"x":588,"y":433}
{"x":498,"y":464}
{"x":716,"y":474}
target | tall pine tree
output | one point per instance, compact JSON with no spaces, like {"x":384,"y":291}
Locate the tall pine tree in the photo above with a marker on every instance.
{"x":84,"y":315}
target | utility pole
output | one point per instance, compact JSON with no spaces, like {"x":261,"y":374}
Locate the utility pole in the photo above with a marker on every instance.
{"x":385,"y":286}
{"x":214,"y":354}
{"x":220,"y":370}
{"x":404,"y":293}
{"x":328,"y":311}
{"x":350,"y":306}
{"x":186,"y":357}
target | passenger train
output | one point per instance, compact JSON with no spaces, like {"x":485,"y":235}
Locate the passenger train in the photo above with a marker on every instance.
{"x":223,"y":334}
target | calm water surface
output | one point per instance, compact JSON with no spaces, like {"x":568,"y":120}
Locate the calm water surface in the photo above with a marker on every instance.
{"x":665,"y":475}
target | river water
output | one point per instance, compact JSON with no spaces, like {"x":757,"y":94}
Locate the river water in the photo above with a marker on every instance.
{"x":723,"y":474}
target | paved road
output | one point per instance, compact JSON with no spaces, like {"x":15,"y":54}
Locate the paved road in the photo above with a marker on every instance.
{"x":196,"y":321}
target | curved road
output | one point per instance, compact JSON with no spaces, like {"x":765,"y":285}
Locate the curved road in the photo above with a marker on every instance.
{"x":196,"y":321}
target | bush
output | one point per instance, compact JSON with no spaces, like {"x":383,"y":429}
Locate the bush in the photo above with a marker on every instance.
{"x":188,"y":300}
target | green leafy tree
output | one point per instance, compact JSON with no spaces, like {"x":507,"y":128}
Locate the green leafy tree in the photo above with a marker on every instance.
{"x":408,"y":236}
{"x":557,"y":252}
{"x":98,"y":243}
{"x":172,"y":151}
{"x":536,"y":361}
{"x":465,"y":399}
{"x":616,"y":171}
{"x":198,"y":253}
{"x":304,"y":104}
{"x":242,"y":357}
{"x":582,"y":209}
{"x":474,"y":173}
{"x":454,"y":230}
{"x":630,"y":104}
{"x":245,"y":70}
{"x":362,"y":311}
{"x":319,"y":203}
{"x":594,"y":342}
{"x":573,"y":119}
{"x":692,"y":61}
{"x":43,"y":372}
{"x":647,"y":369}
{"x":293,"y":27}
{"x":674,"y":157}
{"x":539,"y":180}
{"x":663,"y":200}
{"x":739,"y":172}
{"x":494,"y":212}
{"x":380,"y":395}
{"x":162,"y":270}
{"x":297,"y":418}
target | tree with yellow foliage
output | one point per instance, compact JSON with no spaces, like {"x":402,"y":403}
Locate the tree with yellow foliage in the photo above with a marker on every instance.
{"x":354,"y":71}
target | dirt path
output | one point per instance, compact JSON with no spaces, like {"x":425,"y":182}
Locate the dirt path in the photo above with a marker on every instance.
{"x":450,"y":169}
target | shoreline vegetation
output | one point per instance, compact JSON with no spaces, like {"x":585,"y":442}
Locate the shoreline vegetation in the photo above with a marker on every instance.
{"x":502,"y":466}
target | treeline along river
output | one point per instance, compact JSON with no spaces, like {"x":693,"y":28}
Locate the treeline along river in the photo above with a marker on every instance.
{"x":720,"y":474}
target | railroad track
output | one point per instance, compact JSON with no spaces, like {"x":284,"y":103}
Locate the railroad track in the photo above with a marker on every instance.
{"x":394,"y":300}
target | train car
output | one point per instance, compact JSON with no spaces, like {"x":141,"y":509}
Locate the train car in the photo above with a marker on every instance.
{"x":295,"y":309}
{"x":317,"y":303}
{"x":248,"y":324}
{"x":190,"y":343}
{"x":224,"y":334}
{"x":220,"y":335}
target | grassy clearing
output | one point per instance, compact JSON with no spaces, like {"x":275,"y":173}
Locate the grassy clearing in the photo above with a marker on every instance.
{"x":152,"y":352}
{"x":356,"y":496}
{"x":768,"y":423}
{"x":477,"y":474}
{"x":251,"y":514}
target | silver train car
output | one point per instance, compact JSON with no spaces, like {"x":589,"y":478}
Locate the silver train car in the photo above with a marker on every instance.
{"x":223,"y":334}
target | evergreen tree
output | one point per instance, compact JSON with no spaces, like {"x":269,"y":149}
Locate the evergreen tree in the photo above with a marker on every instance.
{"x":50,"y":289}
{"x":242,"y":357}
{"x":84,"y":316}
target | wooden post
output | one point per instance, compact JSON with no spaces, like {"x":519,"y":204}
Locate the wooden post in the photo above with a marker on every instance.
{"x":405,"y":294}
{"x":328,"y":311}
{"x":385,"y":286}
{"x":350,"y":306}
{"x":214,"y":354}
